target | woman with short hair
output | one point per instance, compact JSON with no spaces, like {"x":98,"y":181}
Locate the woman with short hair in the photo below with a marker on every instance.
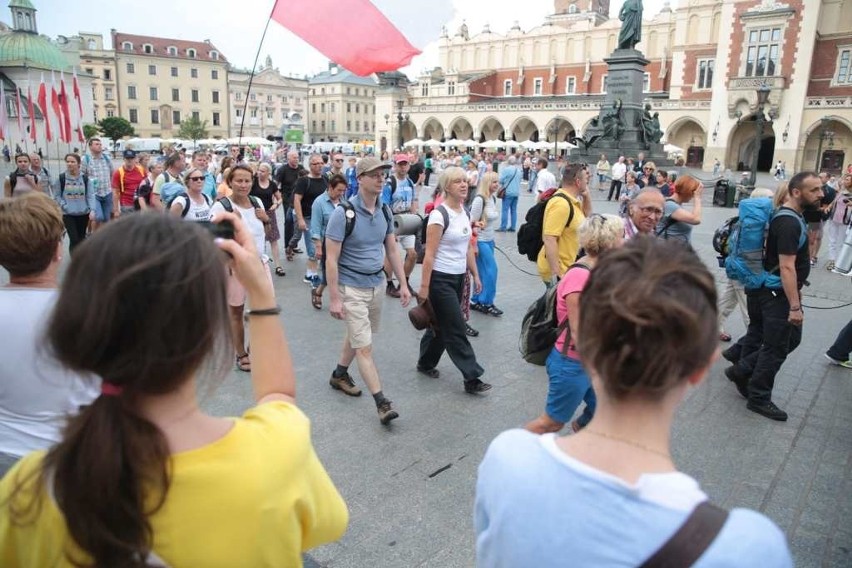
{"x":266,"y":189}
{"x":603,"y":169}
{"x":193,"y":204}
{"x":76,"y":198}
{"x":677,"y":222}
{"x":611,"y":494}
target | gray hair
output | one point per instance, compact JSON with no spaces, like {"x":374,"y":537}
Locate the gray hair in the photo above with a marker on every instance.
{"x":512,"y":160}
{"x":647,"y":189}
{"x":600,"y":232}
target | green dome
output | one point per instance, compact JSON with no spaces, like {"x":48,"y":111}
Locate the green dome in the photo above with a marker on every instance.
{"x":22,"y":49}
{"x":21,"y":4}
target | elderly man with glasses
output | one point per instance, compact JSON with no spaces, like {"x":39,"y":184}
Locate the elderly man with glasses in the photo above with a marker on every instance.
{"x":644,"y":212}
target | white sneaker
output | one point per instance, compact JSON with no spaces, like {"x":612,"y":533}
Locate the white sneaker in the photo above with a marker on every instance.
{"x":847,"y":364}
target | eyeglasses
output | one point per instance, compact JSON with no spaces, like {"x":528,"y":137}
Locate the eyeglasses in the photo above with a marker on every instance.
{"x":651,"y":210}
{"x":374,"y":175}
{"x":336,"y":160}
{"x":196,"y":178}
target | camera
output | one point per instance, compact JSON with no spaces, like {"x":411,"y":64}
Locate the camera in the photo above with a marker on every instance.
{"x":221,"y":230}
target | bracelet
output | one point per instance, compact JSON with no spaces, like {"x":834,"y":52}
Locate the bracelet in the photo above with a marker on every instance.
{"x":795,"y":308}
{"x":264,"y":312}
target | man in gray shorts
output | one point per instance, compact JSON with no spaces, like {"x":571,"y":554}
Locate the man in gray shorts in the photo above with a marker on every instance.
{"x":355,"y":279}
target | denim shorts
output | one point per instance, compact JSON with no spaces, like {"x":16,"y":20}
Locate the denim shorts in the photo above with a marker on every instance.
{"x":103,"y":208}
{"x":569,"y":386}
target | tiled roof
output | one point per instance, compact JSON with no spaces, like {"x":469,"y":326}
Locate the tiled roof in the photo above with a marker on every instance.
{"x":342,"y":76}
{"x":160,"y":47}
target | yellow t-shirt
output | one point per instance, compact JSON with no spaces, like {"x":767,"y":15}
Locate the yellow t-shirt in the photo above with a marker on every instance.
{"x":258,"y":496}
{"x":556,"y":215}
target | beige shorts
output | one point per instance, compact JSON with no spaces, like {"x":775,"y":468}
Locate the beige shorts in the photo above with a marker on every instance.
{"x":363,"y":312}
{"x":236,"y":292}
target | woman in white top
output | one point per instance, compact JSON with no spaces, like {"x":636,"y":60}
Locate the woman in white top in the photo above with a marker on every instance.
{"x":448,"y":257}
{"x":251,"y":211}
{"x":194,"y":205}
{"x":602,"y":168}
{"x":484,"y":214}
{"x":36,"y":393}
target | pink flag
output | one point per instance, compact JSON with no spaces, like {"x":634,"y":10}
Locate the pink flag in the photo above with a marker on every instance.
{"x":18,"y":110}
{"x":66,"y":108}
{"x":364,"y":42}
{"x":4,"y":118}
{"x":31,"y":112}
{"x":42,"y":105}
{"x":57,"y":108}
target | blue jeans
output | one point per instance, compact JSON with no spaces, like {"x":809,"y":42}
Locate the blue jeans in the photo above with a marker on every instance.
{"x":486,"y":264}
{"x":510,"y":206}
{"x":569,"y":385}
{"x":103,"y":208}
{"x":309,"y":243}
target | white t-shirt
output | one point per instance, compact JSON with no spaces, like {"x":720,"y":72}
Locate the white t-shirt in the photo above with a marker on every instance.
{"x":451,"y":256}
{"x":619,"y":169}
{"x":544,"y":180}
{"x":36,"y":392}
{"x":198,"y":210}
{"x":249,"y":217}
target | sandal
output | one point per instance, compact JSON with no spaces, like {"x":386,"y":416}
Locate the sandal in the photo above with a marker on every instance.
{"x":476,"y":386}
{"x":470,"y":332}
{"x":289,"y":253}
{"x":280,"y":271}
{"x":830,"y":265}
{"x":432,"y":373}
{"x":726,"y":337}
{"x":244,"y":363}
{"x":316,"y":300}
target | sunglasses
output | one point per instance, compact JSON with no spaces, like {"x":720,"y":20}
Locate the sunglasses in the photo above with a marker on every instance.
{"x":336,"y":160}
{"x":196,"y":178}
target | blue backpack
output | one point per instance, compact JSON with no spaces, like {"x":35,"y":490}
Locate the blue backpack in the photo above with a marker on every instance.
{"x":170,"y":189}
{"x":747,"y":243}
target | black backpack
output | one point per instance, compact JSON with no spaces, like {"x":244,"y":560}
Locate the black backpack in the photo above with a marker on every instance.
{"x":530,"y":238}
{"x":62,"y":183}
{"x":722,"y":235}
{"x":350,"y":216}
{"x":186,"y":203}
{"x":229,"y":206}
{"x":444,"y":214}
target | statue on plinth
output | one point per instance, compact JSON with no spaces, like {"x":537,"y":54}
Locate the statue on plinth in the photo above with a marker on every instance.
{"x":612,"y":123}
{"x":649,"y":126}
{"x":631,"y":27}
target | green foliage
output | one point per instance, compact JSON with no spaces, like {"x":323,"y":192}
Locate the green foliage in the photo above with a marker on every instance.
{"x":192,"y":129}
{"x":90,"y":130}
{"x":116,"y":128}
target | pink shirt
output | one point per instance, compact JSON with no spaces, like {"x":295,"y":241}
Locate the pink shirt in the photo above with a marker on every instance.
{"x":573,"y":282}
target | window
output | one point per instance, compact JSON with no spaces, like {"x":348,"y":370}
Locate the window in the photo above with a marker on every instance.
{"x":763,"y":52}
{"x":148,"y":48}
{"x":357,"y":126}
{"x":194,"y":95}
{"x":333,"y":126}
{"x":314,"y":125}
{"x":507,"y":88}
{"x":451,"y":87}
{"x":95,"y":113}
{"x":570,"y":85}
{"x":91,"y":44}
{"x":214,"y":74}
{"x":238,"y":96}
{"x":239,"y":112}
{"x":196,"y":115}
{"x":107,"y":74}
{"x":155,"y":116}
{"x":131,"y":68}
{"x":333,"y":107}
{"x":424,"y":90}
{"x":152,"y":70}
{"x":253,"y":97}
{"x":193,"y":73}
{"x":215,"y":97}
{"x":89,"y":71}
{"x":131,"y":91}
{"x":94,"y":92}
{"x":269,"y":98}
{"x":603,"y":83}
{"x":348,"y":126}
{"x":108,"y":94}
{"x":537,"y":83}
{"x":646,"y":82}
{"x":572,"y":9}
{"x":216,"y":121}
{"x":348,"y":90}
{"x":175,"y":95}
{"x":322,"y":91}
{"x":348,"y":107}
{"x":322,"y":125}
{"x":127,"y":46}
{"x":110,"y":113}
{"x":174,"y":72}
{"x":269,"y":114}
{"x":254,"y":113}
{"x":357,"y":108}
{"x":176,"y":117}
{"x":322,"y":107}
{"x":190,"y":53}
{"x":704,"y":73}
{"x":134,"y":116}
{"x":214,"y":55}
{"x":153,"y":94}
{"x":844,"y":71}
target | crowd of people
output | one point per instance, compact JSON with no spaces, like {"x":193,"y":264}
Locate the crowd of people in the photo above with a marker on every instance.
{"x":126,"y":479}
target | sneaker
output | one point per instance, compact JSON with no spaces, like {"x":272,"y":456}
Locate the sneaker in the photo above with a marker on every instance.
{"x":470,"y":332}
{"x":476,"y":386}
{"x":477,"y":307}
{"x":386,"y":413}
{"x":740,"y":382}
{"x":392,"y":290}
{"x":316,"y":281}
{"x":847,"y":364}
{"x":768,"y":409}
{"x":308,"y":279}
{"x":345,"y":384}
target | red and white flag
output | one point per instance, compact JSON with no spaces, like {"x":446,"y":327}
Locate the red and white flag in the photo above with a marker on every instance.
{"x":4,"y":117}
{"x":66,"y":108}
{"x":18,"y":110}
{"x":57,"y":108}
{"x":42,"y":105}
{"x":364,"y":43}
{"x":79,"y":122}
{"x":31,"y":112}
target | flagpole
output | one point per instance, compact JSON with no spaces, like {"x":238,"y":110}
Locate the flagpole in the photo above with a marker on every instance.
{"x":251,"y":76}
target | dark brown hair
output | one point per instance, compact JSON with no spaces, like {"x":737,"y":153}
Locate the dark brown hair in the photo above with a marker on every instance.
{"x":337,"y":179}
{"x":238,"y":168}
{"x":644,"y":334}
{"x":73,"y":156}
{"x":159,"y":315}
{"x":31,"y":228}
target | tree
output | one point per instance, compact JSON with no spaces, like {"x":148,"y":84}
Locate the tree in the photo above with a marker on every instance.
{"x":192,"y":129}
{"x":90,"y":130}
{"x":115,"y":128}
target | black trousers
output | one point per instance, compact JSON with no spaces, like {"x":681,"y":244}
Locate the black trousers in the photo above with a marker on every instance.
{"x":843,"y":344}
{"x":767,"y":342}
{"x":75,"y":226}
{"x":289,"y":225}
{"x":614,"y":187}
{"x":445,"y":294}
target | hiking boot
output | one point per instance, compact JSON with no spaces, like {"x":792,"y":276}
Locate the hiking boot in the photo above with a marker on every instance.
{"x":476,"y":386}
{"x":732,"y":353}
{"x":345,"y":384}
{"x":386,"y":413}
{"x":740,"y":382}
{"x":392,"y":290}
{"x":767,"y":409}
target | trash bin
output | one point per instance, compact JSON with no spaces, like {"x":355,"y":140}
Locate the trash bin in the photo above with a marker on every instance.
{"x":730,"y":195}
{"x":723,"y":194}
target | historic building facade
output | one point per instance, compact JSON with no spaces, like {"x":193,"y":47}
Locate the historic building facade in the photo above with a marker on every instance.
{"x":275,"y":101}
{"x":707,"y":58}
{"x":342,"y":106}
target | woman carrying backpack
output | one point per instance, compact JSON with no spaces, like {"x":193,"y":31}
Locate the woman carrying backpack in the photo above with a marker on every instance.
{"x":194,"y":204}
{"x":677,"y":222}
{"x":76,"y":198}
{"x":569,"y":384}
{"x":448,"y":257}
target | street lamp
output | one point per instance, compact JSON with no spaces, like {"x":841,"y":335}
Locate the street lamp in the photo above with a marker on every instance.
{"x":554,"y":129}
{"x":824,"y":134}
{"x":401,"y":118}
{"x":762,"y":98}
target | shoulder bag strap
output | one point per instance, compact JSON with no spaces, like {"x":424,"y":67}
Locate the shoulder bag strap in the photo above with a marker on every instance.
{"x":690,"y":541}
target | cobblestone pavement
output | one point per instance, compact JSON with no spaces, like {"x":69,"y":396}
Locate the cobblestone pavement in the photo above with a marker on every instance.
{"x":410,"y":487}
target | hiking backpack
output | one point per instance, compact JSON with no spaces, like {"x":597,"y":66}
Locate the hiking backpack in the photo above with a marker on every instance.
{"x":186,"y":201}
{"x":170,"y":188}
{"x":747,"y":243}
{"x":228,"y":205}
{"x":349,"y":215}
{"x":530,"y":237}
{"x":541,"y":327}
{"x":722,"y":237}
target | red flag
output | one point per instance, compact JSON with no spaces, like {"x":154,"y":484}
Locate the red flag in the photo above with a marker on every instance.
{"x":31,"y":112}
{"x":57,"y":109}
{"x":66,"y":109}
{"x":20,"y":118}
{"x":4,"y":118}
{"x":76,"y":88}
{"x":42,"y":105}
{"x":365,"y":43}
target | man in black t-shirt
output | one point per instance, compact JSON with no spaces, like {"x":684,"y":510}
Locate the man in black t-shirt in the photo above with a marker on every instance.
{"x":305,"y":192}
{"x":775,"y":314}
{"x":286,"y":177}
{"x":816,"y":219}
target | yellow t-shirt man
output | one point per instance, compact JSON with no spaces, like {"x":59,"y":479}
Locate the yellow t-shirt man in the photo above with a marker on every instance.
{"x":257,"y":497}
{"x":556,"y":215}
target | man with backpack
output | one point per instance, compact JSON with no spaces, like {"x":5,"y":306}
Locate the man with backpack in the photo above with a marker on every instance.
{"x":169,"y":183}
{"x":98,"y":168}
{"x":286,"y":177}
{"x":773,"y":287}
{"x":403,"y":199}
{"x":125,"y":181}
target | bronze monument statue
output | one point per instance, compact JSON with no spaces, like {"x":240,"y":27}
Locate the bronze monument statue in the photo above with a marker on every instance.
{"x":631,"y":27}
